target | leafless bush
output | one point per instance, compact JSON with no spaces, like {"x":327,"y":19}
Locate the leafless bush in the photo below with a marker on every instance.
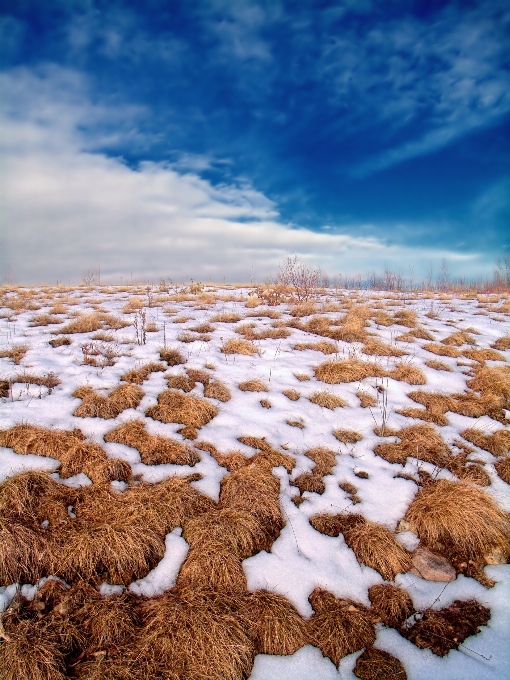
{"x":302,"y":280}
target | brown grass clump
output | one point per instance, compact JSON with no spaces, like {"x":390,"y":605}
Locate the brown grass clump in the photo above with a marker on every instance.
{"x":382,"y":318}
{"x":339,"y":626}
{"x":446,"y":629}
{"x":407,"y":373}
{"x":498,"y":443}
{"x":326,"y":347}
{"x":406,"y":317}
{"x":494,"y":383}
{"x":274,"y":624}
{"x":265,"y":312}
{"x":419,"y":441}
{"x":482,"y":355}
{"x":349,"y":488}
{"x":296,"y":423}
{"x":212,"y":569}
{"x":138,"y":375}
{"x":503,"y":469}
{"x":217,"y":390}
{"x":308,"y":481}
{"x":58,"y":342}
{"x":23,"y":554}
{"x":154,"y":449}
{"x":203,"y":328}
{"x":463,"y":519}
{"x":253,"y":386}
{"x":374,"y":346}
{"x":458,"y":339}
{"x":293,"y":395}
{"x":226,"y":317}
{"x":255,"y":443}
{"x":438,"y":365}
{"x":232,"y":461}
{"x":265,"y":403}
{"x":502,"y":343}
{"x":112,"y":552}
{"x":348,"y":370}
{"x":376,"y":664}
{"x":375,"y":546}
{"x":442,"y":350}
{"x":32,"y":651}
{"x":347,"y":436}
{"x":96,"y":405}
{"x":87,"y":323}
{"x":175,"y":407}
{"x":195,"y":635}
{"x":327,"y":400}
{"x":249,"y":333}
{"x":393,"y":605}
{"x":44,"y":320}
{"x":236,"y":346}
{"x":49,"y":380}
{"x":180,"y":382}
{"x":15,"y":353}
{"x":172,"y":356}
{"x":302,"y":377}
{"x":366,"y":399}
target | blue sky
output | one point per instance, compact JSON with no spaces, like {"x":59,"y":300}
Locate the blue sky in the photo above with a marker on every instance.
{"x":210,"y":138}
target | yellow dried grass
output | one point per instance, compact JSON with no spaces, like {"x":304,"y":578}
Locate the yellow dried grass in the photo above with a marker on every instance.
{"x":95,"y":405}
{"x":175,"y":407}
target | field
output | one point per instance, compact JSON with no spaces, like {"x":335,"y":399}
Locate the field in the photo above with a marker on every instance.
{"x":224,"y":482}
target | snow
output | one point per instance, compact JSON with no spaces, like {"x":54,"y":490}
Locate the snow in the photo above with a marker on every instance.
{"x":301,"y":559}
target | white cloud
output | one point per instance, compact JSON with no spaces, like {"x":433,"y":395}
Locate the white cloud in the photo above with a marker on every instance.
{"x":68,"y":208}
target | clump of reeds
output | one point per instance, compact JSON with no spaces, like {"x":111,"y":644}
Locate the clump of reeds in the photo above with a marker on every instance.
{"x":225,"y":317}
{"x":274,"y":624}
{"x":438,"y":365}
{"x":175,"y":407}
{"x":95,"y":321}
{"x":497,"y":443}
{"x":366,"y":400}
{"x":339,"y":626}
{"x":419,"y":441}
{"x":237,"y":346}
{"x":502,"y":343}
{"x":347,"y":436}
{"x":95,"y":405}
{"x":347,"y":370}
{"x":154,"y":449}
{"x":15,"y":353}
{"x":172,"y":356}
{"x":459,"y":517}
{"x":407,"y":373}
{"x":376,"y":664}
{"x":391,"y":604}
{"x":138,"y":375}
{"x":374,"y":346}
{"x":442,"y":350}
{"x":446,"y":629}
{"x":253,"y":386}
{"x":327,"y":400}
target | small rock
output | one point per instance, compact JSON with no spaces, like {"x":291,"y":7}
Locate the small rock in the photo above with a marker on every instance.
{"x":432,"y":567}
{"x":404,"y":525}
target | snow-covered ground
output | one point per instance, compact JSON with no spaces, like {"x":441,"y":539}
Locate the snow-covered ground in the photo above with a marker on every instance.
{"x":301,"y":559}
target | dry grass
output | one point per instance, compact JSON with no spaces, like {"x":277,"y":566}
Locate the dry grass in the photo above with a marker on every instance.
{"x":442,"y":350}
{"x":438,"y":365}
{"x":498,"y":443}
{"x":458,"y":339}
{"x":274,"y":624}
{"x":87,"y":323}
{"x":308,"y":481}
{"x":266,"y":312}
{"x":296,"y":423}
{"x":503,"y":469}
{"x":249,"y":333}
{"x":502,"y":343}
{"x":459,"y":517}
{"x":406,"y":317}
{"x":217,"y":390}
{"x":293,"y":395}
{"x":327,"y":400}
{"x":235,"y":346}
{"x":59,"y":342}
{"x":482,"y":355}
{"x":172,"y":356}
{"x":203,"y":328}
{"x":348,"y":370}
{"x":446,"y":629}
{"x":44,"y":320}
{"x":192,"y":412}
{"x":154,"y":449}
{"x":253,"y":386}
{"x":49,"y":380}
{"x":138,"y":375}
{"x":180,"y":382}
{"x":382,"y":318}
{"x":376,"y":664}
{"x":15,"y":353}
{"x":366,"y":400}
{"x":96,"y":405}
{"x":374,"y":346}
{"x":265,"y":403}
{"x":419,"y":441}
{"x":326,"y":347}
{"x":226,"y":317}
{"x":302,"y":377}
{"x":339,"y":626}
{"x":195,"y":635}
{"x":393,"y":605}
{"x":347,"y":436}
{"x":304,"y":309}
{"x":407,"y":373}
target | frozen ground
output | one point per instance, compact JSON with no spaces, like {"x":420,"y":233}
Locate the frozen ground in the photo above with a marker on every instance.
{"x":301,"y":558}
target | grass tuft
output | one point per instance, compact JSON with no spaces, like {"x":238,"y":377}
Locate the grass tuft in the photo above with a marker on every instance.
{"x":96,"y":405}
{"x":175,"y":407}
